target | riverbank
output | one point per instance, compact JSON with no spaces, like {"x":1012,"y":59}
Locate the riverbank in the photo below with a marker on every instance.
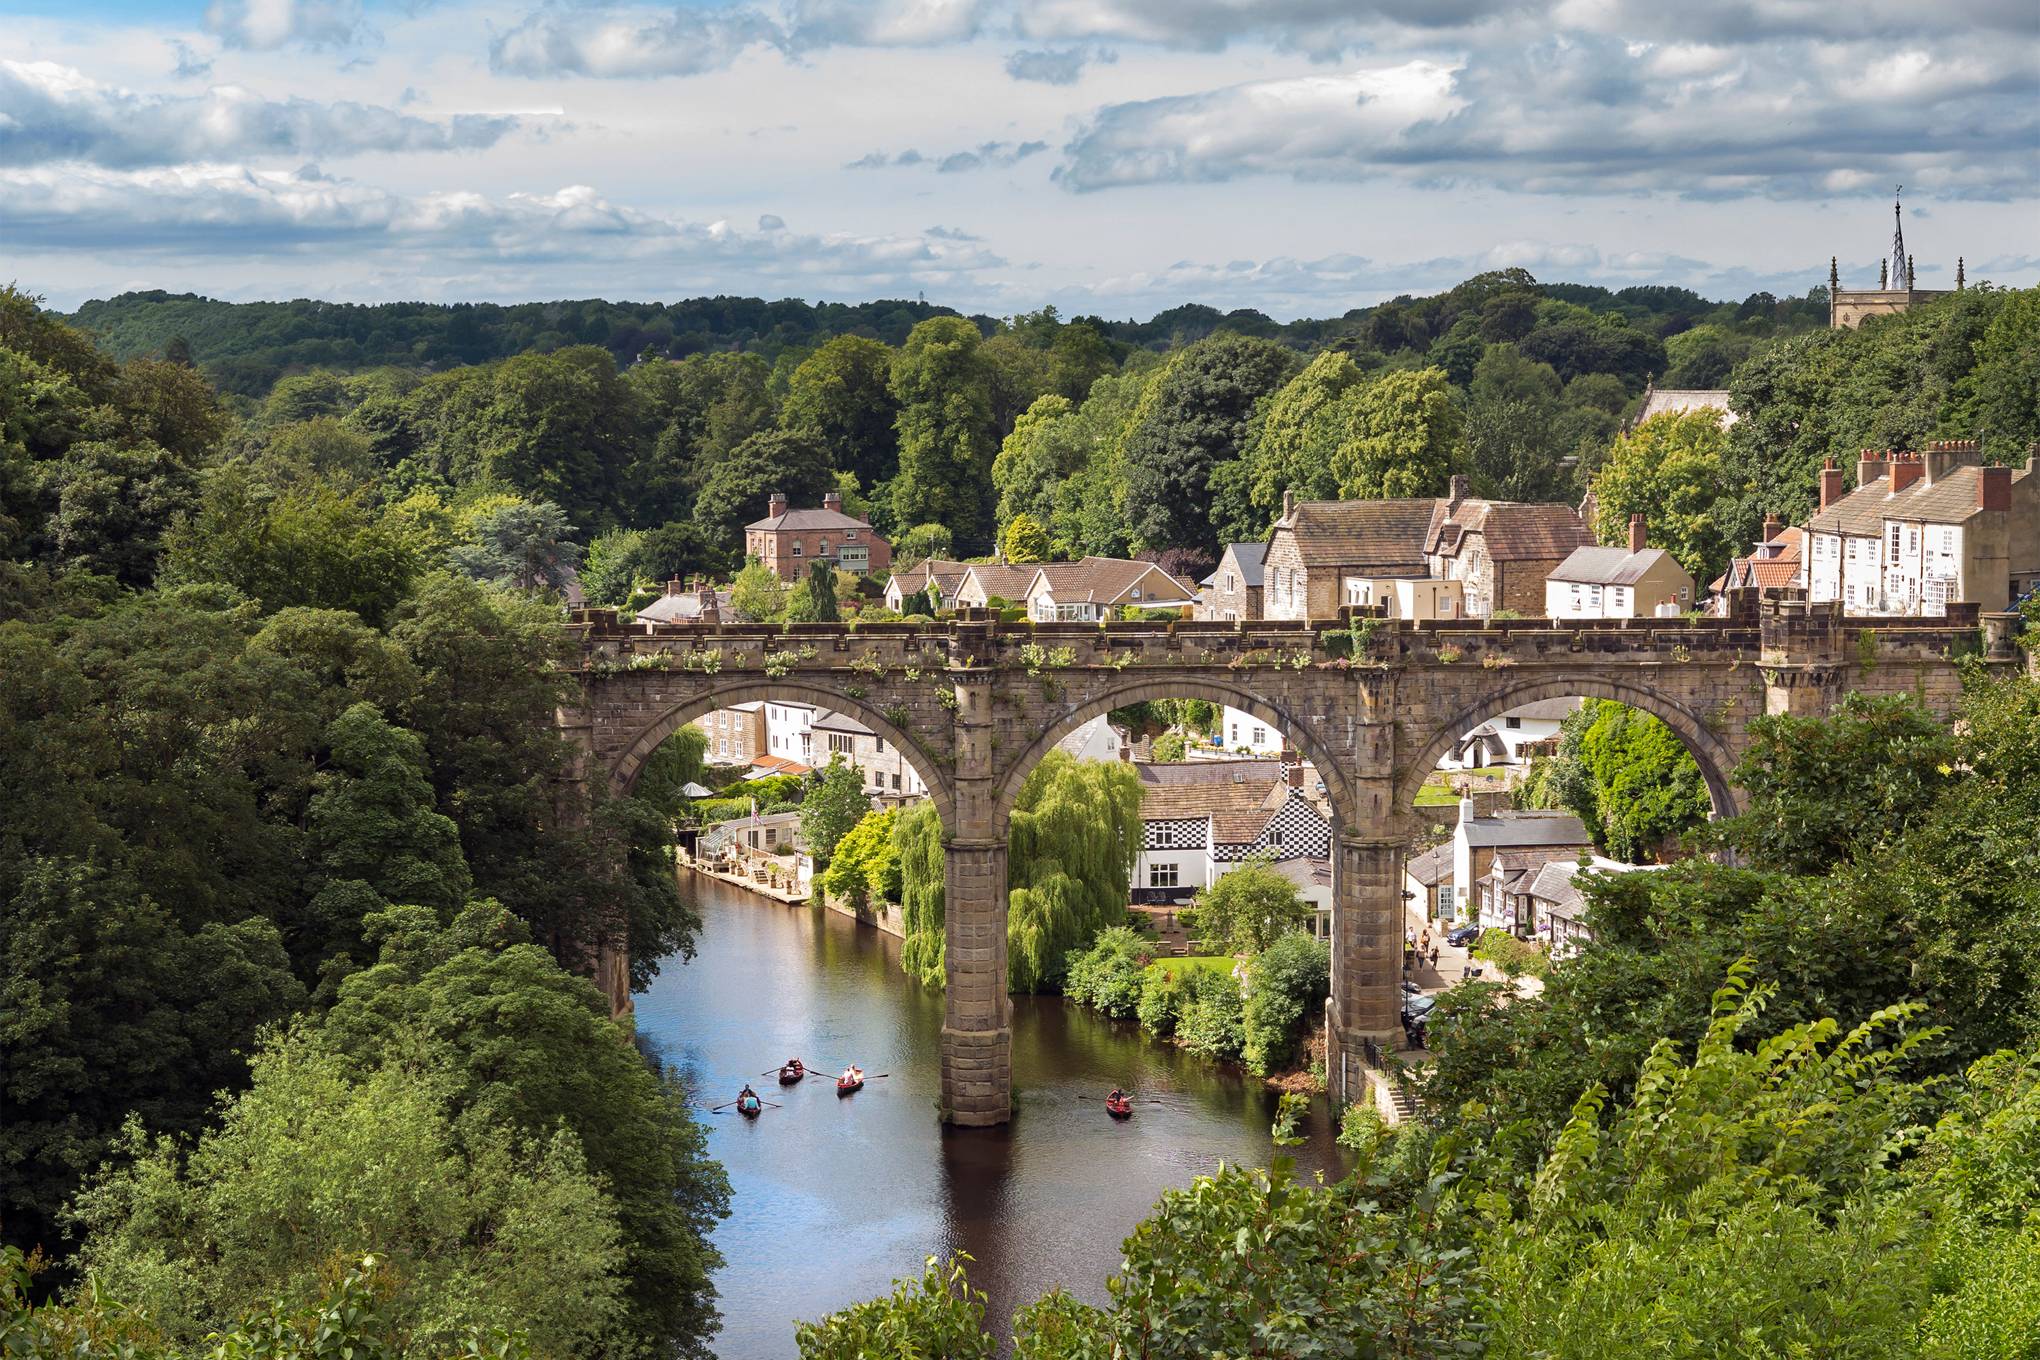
{"x":834,"y":1198}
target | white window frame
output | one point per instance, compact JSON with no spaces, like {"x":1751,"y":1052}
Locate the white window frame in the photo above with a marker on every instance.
{"x":1170,"y":871}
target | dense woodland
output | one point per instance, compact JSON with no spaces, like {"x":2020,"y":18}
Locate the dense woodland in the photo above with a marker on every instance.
{"x":290,"y":893}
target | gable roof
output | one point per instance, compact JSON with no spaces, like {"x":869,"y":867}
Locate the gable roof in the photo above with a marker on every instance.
{"x":1192,"y":802}
{"x":1512,"y":531}
{"x":1432,"y":867}
{"x":1385,"y":535}
{"x":1109,"y":580}
{"x":809,"y":519}
{"x":1659,"y":401}
{"x":946,"y":574}
{"x":681,"y":606}
{"x":1249,"y":558}
{"x":1525,"y":827}
{"x":1610,"y":566}
{"x":1154,"y":772}
{"x":1000,"y":579}
{"x":1951,"y":498}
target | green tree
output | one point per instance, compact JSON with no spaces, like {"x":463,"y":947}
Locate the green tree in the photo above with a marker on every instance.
{"x":1287,"y":984}
{"x":813,"y":598}
{"x":1669,"y":470}
{"x":737,"y":490}
{"x":842,"y":394}
{"x":758,"y":594}
{"x":524,"y":544}
{"x":937,"y":1315}
{"x":866,"y":865}
{"x":486,"y":1230}
{"x":920,"y":840}
{"x":1193,"y":418}
{"x":1293,"y":445}
{"x":1401,"y":436}
{"x":1074,"y":833}
{"x":514,"y":1039}
{"x":559,"y":427}
{"x":1025,"y":540}
{"x":1250,"y":908}
{"x":833,"y":805}
{"x":112,"y":506}
{"x":680,"y":760}
{"x":921,"y":542}
{"x":947,"y":430}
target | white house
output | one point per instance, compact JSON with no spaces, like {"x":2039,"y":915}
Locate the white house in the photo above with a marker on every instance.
{"x":1094,"y":589}
{"x":789,"y":731}
{"x":938,"y":576}
{"x":1922,"y":530}
{"x":1636,"y":582}
{"x":1095,"y":740}
{"x":1500,"y":741}
{"x":1477,"y":838}
{"x":1200,"y":821}
{"x":1239,"y":729}
{"x":1406,"y":597}
{"x":1555,"y":911}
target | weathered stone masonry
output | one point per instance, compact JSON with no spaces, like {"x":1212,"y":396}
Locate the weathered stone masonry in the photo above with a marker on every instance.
{"x":975,"y":705}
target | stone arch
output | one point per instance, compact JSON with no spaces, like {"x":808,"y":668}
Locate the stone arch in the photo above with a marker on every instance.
{"x":1330,"y":767}
{"x":1713,"y":757}
{"x":623,"y":773}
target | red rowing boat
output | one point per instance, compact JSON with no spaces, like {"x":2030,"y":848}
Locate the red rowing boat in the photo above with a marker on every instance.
{"x":791,"y":1073}
{"x":1119,"y":1107}
{"x":850,"y":1082}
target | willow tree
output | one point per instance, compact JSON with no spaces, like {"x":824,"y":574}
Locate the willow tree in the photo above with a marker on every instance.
{"x":1075,"y":830}
{"x":917,"y":836}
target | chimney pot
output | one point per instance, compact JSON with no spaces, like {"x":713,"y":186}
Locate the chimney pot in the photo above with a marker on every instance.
{"x":775,"y":505}
{"x":1638,"y":532}
{"x":1870,"y":465}
{"x":1773,"y":526}
{"x":832,"y":500}
{"x":1905,"y":470}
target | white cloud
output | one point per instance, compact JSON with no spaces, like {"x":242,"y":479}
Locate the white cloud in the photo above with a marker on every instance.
{"x":564,"y":39}
{"x":265,"y":25}
{"x":984,"y":156}
{"x":55,"y":113}
{"x":1056,"y":65}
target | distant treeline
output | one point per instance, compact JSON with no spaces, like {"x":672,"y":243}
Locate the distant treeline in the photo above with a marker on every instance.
{"x":244,"y":347}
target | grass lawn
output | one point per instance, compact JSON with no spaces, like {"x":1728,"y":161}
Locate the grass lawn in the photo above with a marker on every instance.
{"x":1436,"y":795}
{"x":1217,"y":963}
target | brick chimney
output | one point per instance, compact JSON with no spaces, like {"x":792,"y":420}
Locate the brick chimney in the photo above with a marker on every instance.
{"x":1639,"y":536}
{"x":1994,"y":488}
{"x":832,"y":500}
{"x":776,"y":505}
{"x":1773,"y":526}
{"x":1461,"y":488}
{"x":1830,"y":484}
{"x":673,"y":587}
{"x":1869,"y":467}
{"x":1905,"y":470}
{"x":710,"y":610}
{"x":1945,"y":455}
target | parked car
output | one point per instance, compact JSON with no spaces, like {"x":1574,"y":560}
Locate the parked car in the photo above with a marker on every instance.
{"x":1411,"y":989}
{"x":1462,"y":936}
{"x":1416,"y":1016}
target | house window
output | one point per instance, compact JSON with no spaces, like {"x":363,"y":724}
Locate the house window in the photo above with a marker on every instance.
{"x":771,"y":835}
{"x":1852,"y":593}
{"x":896,"y":783}
{"x":841,"y":744}
{"x":824,"y":549}
{"x":1235,"y":738}
{"x":1512,"y":721}
{"x":1260,"y":736}
{"x":796,"y":547}
{"x":849,"y":535}
{"x":1136,"y":592}
{"x":1274,"y":837}
{"x":1162,"y":876}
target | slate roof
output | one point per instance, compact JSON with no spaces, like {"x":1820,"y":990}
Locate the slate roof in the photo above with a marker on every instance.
{"x":1250,"y":558}
{"x":1950,"y":499}
{"x":1679,"y":400}
{"x":948,"y":575}
{"x":681,"y":607}
{"x":1305,"y":872}
{"x":1153,"y":772}
{"x":1432,"y":867}
{"x":1607,"y":566}
{"x":1556,"y":883}
{"x":1525,"y":827}
{"x":1514,"y":531}
{"x":809,"y":519}
{"x":840,"y":722}
{"x":1548,"y":710}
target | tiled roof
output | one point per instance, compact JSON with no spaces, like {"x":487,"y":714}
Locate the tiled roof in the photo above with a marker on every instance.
{"x":809,"y":519}
{"x":1154,"y":772}
{"x":1386,"y":535}
{"x":1002,"y":579}
{"x":1607,"y":566}
{"x":780,"y":765}
{"x":1111,"y":580}
{"x":1950,"y":499}
{"x":1238,"y":828}
{"x":1513,"y":531}
{"x":1679,"y":400}
{"x":1178,"y":802}
{"x":947,"y":574}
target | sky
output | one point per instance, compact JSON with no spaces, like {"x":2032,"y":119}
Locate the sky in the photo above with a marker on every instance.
{"x":1302,"y":157}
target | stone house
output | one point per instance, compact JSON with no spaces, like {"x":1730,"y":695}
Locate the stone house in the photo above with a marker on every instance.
{"x":736,"y":735}
{"x":1476,"y":839}
{"x":1922,"y":530}
{"x":1317,"y":546}
{"x":789,"y":541}
{"x":1500,"y":551}
{"x":940,"y":578}
{"x":1233,"y":590}
{"x":1427,"y":882}
{"x":1777,"y":562}
{"x":1553,"y":910}
{"x":1633,"y":582}
{"x":1502,"y":894}
{"x":691,"y":603}
{"x":889,"y":779}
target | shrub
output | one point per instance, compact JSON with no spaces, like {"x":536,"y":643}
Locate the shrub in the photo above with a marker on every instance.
{"x":1161,"y":1000}
{"x":1213,"y":1019}
{"x":1108,"y":974}
{"x":1286,"y":987}
{"x":866,"y":864}
{"x":1513,"y":956}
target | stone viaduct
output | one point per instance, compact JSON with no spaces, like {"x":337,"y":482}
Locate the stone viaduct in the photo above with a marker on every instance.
{"x":975,"y":703}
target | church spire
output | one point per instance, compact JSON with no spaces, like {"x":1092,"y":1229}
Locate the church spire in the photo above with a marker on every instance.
{"x":1898,"y":256}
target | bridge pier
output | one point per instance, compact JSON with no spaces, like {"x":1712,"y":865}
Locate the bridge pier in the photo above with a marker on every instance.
{"x":1367,"y":936}
{"x":977,"y":1026}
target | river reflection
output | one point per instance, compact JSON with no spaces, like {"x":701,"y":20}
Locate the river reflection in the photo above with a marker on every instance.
{"x":835,"y":1197}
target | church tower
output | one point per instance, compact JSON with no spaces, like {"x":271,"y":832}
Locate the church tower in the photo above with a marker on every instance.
{"x":1895,"y":291}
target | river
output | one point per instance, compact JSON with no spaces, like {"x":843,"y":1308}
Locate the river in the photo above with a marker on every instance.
{"x":835,"y":1198}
